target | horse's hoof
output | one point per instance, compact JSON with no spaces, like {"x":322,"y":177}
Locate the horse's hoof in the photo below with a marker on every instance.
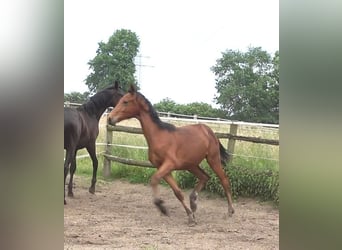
{"x":70,"y":194}
{"x":64,"y":202}
{"x":231,"y":212}
{"x":92,"y":190}
{"x":192,"y":222}
{"x":162,"y":208}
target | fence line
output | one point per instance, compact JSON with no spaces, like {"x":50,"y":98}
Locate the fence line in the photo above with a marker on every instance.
{"x":134,"y":130}
{"x":128,"y":161}
{"x":87,"y":155}
{"x":255,"y":157}
{"x":231,"y":136}
{"x":145,"y":147}
{"x":222,"y":121}
{"x":169,"y":117}
{"x":122,"y":145}
{"x":71,"y":104}
{"x":193,"y":118}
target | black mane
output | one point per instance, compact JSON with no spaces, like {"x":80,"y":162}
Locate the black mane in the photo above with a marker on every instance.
{"x":98,"y":102}
{"x":155,"y":117}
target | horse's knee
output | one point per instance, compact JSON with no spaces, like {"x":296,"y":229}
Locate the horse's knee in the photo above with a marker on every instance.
{"x":193,"y":200}
{"x":154,"y":181}
{"x":95,"y":163}
{"x":66,"y":169}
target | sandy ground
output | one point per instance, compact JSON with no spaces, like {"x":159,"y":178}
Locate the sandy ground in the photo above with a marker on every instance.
{"x":122,"y":216}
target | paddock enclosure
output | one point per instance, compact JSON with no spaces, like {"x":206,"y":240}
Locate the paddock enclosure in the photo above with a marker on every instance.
{"x":121,"y":215}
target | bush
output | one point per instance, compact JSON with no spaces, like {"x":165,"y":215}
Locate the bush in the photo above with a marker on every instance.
{"x":185,"y":179}
{"x":247,"y":182}
{"x":250,"y":182}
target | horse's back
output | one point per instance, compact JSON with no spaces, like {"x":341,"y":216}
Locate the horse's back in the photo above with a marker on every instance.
{"x":80,"y":129}
{"x":196,"y":131}
{"x":188,"y":145}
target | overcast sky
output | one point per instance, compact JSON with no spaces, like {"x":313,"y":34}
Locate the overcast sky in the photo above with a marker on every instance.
{"x":179,"y":40}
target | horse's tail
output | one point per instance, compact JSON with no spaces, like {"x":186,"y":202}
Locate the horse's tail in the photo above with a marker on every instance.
{"x":225,"y":156}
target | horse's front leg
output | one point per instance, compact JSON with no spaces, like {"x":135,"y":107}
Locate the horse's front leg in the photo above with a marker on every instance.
{"x":72,"y":172}
{"x":178,"y":193}
{"x":92,"y":152}
{"x":155,"y":179}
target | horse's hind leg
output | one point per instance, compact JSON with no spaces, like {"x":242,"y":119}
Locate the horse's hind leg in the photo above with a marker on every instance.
{"x":203,"y":178}
{"x":92,"y":152}
{"x":178,"y":193}
{"x":215,"y":164}
{"x":66,"y":170}
{"x":70,"y":155}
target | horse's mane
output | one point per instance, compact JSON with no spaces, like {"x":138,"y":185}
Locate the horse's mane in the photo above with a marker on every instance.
{"x":97,"y":102}
{"x":155,"y":117}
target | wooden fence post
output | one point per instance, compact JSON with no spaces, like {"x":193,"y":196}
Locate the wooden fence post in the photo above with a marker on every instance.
{"x":107,"y":162}
{"x":231,"y":141}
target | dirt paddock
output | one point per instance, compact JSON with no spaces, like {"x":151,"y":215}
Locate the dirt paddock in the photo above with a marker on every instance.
{"x":122,"y":216}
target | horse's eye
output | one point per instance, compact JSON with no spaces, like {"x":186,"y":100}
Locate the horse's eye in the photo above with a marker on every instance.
{"x":125,"y":103}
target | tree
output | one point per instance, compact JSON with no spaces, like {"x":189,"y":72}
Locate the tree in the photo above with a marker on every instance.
{"x":166,"y":105}
{"x":114,"y":60}
{"x":248,"y":85}
{"x":195,"y":108}
{"x":76,"y":97}
{"x":200,"y":109}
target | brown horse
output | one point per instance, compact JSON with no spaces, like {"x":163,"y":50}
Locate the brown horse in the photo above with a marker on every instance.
{"x":171,"y":148}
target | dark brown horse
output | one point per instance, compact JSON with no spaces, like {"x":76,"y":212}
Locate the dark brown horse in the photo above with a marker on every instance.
{"x":81,"y":128}
{"x":171,"y":148}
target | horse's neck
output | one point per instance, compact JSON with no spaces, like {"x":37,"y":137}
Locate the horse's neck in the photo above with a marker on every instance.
{"x":95,"y":109}
{"x":149,"y":127}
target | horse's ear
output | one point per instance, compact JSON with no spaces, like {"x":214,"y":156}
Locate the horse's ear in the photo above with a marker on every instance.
{"x":116,"y":84}
{"x":132,"y":89}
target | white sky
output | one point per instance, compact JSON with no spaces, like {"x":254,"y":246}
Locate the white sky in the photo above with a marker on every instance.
{"x":181,"y":39}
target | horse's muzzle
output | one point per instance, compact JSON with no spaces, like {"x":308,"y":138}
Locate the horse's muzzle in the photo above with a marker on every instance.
{"x":111,"y":121}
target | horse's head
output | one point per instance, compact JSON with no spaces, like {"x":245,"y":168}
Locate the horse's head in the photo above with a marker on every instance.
{"x":126,"y":108}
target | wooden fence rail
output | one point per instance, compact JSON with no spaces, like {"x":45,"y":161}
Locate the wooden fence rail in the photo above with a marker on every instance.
{"x":231,"y":136}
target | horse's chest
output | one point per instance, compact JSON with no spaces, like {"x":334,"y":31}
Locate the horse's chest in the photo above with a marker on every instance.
{"x":154,"y":158}
{"x":158,"y":156}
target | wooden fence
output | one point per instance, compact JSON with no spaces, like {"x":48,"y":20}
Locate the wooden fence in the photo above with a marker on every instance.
{"x":231,"y":136}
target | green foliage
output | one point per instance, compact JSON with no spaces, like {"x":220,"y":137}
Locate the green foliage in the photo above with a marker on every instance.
{"x":114,"y":60}
{"x":76,"y":97}
{"x":166,"y":105}
{"x":248,"y":85}
{"x":195,"y":108}
{"x":255,"y":183}
{"x":246,"y":182}
{"x":185,"y":179}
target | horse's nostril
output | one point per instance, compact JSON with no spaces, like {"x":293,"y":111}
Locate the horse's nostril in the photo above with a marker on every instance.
{"x":109,"y":120}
